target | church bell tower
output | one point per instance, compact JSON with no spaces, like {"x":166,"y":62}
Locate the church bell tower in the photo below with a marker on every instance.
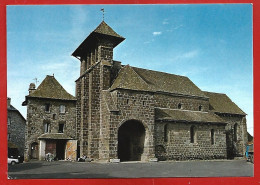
{"x":96,"y":56}
{"x":97,"y":46}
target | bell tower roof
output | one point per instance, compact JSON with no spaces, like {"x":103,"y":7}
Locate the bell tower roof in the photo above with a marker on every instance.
{"x":103,"y":28}
{"x":102,"y":31}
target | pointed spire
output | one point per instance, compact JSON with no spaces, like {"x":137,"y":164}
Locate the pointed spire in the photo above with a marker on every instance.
{"x":101,"y":32}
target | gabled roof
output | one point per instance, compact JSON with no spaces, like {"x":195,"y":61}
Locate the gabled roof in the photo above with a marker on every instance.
{"x":163,"y":114}
{"x":103,"y":30}
{"x":129,"y":79}
{"x":221,"y":103}
{"x":153,"y":81}
{"x":12,"y":108}
{"x":51,"y":88}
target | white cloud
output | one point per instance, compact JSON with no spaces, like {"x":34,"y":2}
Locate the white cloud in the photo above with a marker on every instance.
{"x":190,"y":54}
{"x":174,"y":28}
{"x":165,"y":21}
{"x":157,"y":33}
{"x":186,"y":55}
{"x":177,"y":27}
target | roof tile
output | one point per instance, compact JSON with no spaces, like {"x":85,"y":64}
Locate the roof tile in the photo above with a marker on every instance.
{"x":222,"y":103}
{"x":51,"y":88}
{"x":187,"y":116}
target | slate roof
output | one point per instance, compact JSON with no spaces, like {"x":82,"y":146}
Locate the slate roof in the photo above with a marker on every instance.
{"x":221,"y":103}
{"x":163,"y":114}
{"x":153,"y":81}
{"x":103,"y":30}
{"x":51,"y":88}
{"x":12,"y":108}
{"x":54,"y":136}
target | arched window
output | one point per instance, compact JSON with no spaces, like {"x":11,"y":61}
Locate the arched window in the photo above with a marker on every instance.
{"x":212,"y":135}
{"x":192,"y":134}
{"x":200,"y":108}
{"x":179,"y":106}
{"x":235,"y":132}
{"x":166,"y":133}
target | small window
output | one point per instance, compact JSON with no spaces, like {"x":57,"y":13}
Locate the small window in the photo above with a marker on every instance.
{"x":192,"y":134}
{"x":46,"y":127}
{"x":47,"y":107}
{"x":61,"y":128}
{"x":127,"y":101}
{"x":200,"y":108}
{"x":54,"y":116}
{"x":8,"y":136}
{"x":235,"y":132}
{"x":166,"y":133}
{"x":179,"y":106}
{"x":9,"y":121}
{"x":212,"y":133}
{"x":143,"y":103}
{"x":62,"y":109}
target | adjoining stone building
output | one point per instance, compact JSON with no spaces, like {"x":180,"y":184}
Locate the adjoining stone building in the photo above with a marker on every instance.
{"x":133,"y":114}
{"x":16,"y":131}
{"x":51,"y":115}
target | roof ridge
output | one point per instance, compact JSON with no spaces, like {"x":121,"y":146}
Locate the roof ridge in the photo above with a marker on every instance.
{"x":51,"y":88}
{"x":103,"y":24}
{"x":126,"y":73}
{"x":214,"y":92}
{"x":139,"y":76}
{"x":184,"y":110}
{"x":159,"y":71}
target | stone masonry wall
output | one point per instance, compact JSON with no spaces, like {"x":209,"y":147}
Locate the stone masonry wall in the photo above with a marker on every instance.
{"x":94,"y":113}
{"x":188,"y":103}
{"x":36,"y":116}
{"x":16,"y":130}
{"x":104,"y":130}
{"x":133,"y":105}
{"x":236,"y":148}
{"x":178,"y":144}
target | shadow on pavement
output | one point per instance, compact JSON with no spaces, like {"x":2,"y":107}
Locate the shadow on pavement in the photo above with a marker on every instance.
{"x":23,"y":166}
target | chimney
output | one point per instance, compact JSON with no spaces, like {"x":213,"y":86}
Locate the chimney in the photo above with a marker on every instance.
{"x":8,"y":102}
{"x":31,"y":88}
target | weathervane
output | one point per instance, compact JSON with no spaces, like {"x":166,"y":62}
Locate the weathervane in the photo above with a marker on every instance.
{"x":36,"y":81}
{"x":103,"y":10}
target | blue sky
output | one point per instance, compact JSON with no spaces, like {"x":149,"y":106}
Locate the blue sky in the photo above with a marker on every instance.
{"x":210,"y":44}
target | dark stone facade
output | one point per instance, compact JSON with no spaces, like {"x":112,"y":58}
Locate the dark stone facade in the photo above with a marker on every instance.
{"x":37,"y":117}
{"x":127,"y":113}
{"x":16,"y":130}
{"x":112,"y":98}
{"x":51,"y":121}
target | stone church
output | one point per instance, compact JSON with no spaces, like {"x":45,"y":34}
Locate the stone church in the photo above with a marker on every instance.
{"x":133,"y":114}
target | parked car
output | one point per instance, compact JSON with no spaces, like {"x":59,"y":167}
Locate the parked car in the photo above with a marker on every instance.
{"x":13,"y":161}
{"x":250,"y":153}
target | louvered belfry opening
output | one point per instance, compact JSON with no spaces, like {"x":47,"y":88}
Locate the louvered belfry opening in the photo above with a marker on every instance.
{"x":131,"y":136}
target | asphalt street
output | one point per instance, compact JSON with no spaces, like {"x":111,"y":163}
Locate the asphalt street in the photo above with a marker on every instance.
{"x":65,"y":169}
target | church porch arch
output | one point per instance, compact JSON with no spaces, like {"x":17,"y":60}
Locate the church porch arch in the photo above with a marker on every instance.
{"x":133,"y":141}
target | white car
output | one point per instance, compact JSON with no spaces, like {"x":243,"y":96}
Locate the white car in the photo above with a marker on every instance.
{"x":13,"y":161}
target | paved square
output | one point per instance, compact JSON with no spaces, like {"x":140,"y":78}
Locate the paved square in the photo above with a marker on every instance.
{"x":64,"y":169}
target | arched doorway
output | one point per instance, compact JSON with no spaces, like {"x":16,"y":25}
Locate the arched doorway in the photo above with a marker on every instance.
{"x":34,"y":150}
{"x":131,"y":136}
